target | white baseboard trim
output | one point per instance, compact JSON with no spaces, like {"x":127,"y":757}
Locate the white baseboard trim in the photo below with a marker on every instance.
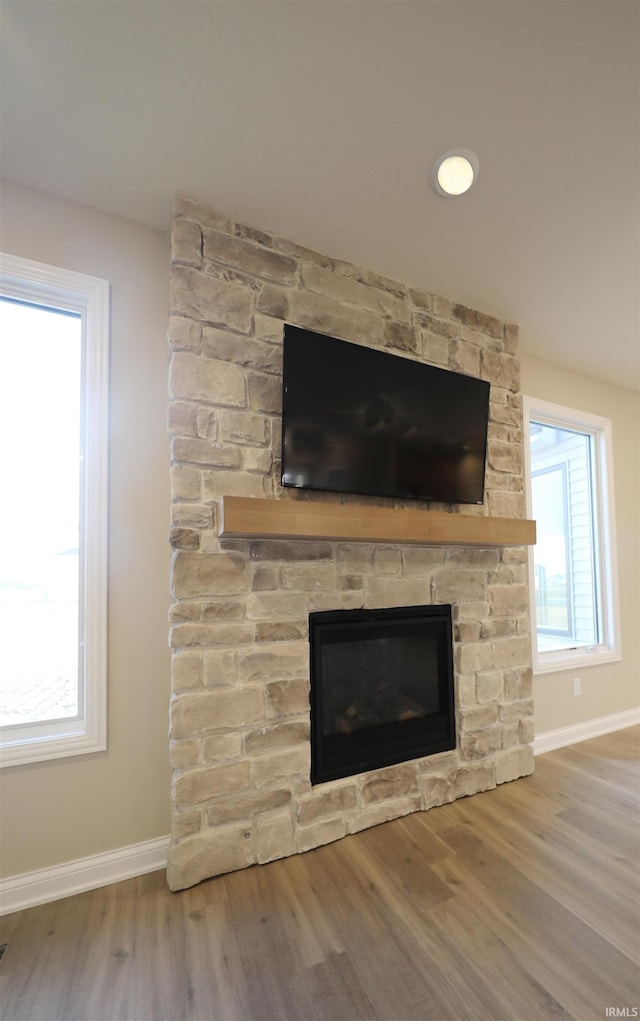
{"x":584,"y":731}
{"x":44,"y":885}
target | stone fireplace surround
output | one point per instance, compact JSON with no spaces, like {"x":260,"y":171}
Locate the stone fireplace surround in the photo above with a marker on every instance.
{"x":239,"y":730}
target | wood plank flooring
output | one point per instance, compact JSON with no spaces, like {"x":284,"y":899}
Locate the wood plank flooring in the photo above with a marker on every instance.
{"x":519,"y":904}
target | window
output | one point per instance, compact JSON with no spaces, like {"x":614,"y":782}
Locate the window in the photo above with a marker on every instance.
{"x":54,"y":332}
{"x":572,"y":570}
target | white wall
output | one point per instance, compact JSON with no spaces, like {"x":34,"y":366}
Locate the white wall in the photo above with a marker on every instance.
{"x":71,"y":808}
{"x":614,"y":687}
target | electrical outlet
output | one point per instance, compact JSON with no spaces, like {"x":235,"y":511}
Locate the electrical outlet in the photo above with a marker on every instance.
{"x":577,"y":686}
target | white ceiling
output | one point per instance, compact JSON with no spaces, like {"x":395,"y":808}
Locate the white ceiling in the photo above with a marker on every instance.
{"x":320,"y":120}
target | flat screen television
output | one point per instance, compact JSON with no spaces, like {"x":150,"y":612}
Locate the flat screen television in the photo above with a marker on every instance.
{"x":359,"y":420}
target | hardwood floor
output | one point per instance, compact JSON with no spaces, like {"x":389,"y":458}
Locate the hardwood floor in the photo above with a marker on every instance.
{"x":520,"y":904}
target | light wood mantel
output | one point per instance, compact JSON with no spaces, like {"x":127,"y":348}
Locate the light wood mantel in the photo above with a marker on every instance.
{"x":251,"y":517}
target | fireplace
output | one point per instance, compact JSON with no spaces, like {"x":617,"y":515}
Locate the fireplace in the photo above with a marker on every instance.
{"x":382,"y":689}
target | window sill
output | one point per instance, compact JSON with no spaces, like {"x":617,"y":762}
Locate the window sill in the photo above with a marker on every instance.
{"x":576,"y":660}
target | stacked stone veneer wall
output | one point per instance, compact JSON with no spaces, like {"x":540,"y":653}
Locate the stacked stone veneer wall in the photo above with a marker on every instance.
{"x":239,"y":734}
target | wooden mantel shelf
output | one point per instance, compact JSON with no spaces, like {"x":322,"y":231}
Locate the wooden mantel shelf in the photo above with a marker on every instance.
{"x":251,"y":517}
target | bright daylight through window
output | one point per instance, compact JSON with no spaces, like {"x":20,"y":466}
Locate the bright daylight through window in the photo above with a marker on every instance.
{"x":572,"y":566}
{"x":53,"y":401}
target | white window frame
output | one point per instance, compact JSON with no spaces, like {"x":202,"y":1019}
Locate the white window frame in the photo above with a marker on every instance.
{"x":88,"y":296}
{"x":609,"y":649}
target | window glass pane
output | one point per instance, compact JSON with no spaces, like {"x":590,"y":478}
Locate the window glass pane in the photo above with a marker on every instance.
{"x":553,"y":605}
{"x":40,"y":558}
{"x":565,"y":561}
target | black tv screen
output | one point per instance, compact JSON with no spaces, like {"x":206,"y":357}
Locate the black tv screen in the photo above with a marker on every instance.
{"x":358,"y":420}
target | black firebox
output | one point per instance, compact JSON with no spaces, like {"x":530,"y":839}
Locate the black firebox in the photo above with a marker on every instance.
{"x":382,"y":688}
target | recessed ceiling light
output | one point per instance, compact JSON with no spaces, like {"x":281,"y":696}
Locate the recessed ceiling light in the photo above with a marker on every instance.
{"x":454,"y":173}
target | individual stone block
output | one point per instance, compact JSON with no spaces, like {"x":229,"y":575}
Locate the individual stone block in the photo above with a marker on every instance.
{"x":509,"y":652}
{"x":355,"y":558}
{"x":464,"y":357}
{"x":221,"y":747}
{"x":216,"y":484}
{"x":459,"y":585}
{"x":307,"y":577}
{"x":478,"y":717}
{"x":203,"y":379}
{"x":280,"y":768}
{"x":471,"y":779}
{"x":481,"y":743}
{"x":401,"y":337}
{"x":266,"y":578}
{"x":279,"y":736}
{"x":197,"y":295}
{"x":186,"y":671}
{"x":287,"y":698}
{"x":223,"y":609}
{"x":506,"y":505}
{"x":391,"y":782}
{"x":501,"y":369}
{"x":264,"y":392}
{"x":420,"y":561}
{"x":284,"y":549}
{"x":388,"y":591}
{"x":489,"y":686}
{"x":279,"y":663}
{"x":248,"y":352}
{"x":184,"y":334}
{"x":469,"y":556}
{"x":273,"y":301}
{"x":181,"y":418}
{"x":349,"y":599}
{"x":435,"y":350}
{"x":275,"y":606}
{"x":198,"y":785}
{"x":274,"y":837}
{"x":436,"y":789}
{"x":323,"y":832}
{"x":184,"y":753}
{"x":204,"y":636}
{"x":353,"y":293}
{"x":219,"y":668}
{"x":374,"y":815}
{"x":247,"y":805}
{"x":514,"y":763}
{"x":435,"y":326}
{"x":187,"y":208}
{"x":331,"y":802}
{"x":387,"y":560}
{"x":475,"y":656}
{"x":252,"y":259}
{"x":507,"y":600}
{"x":209,"y":853}
{"x":193,"y":714}
{"x":186,"y":243}
{"x":287,"y":632}
{"x":512,"y":712}
{"x":465,"y":689}
{"x":209,"y":574}
{"x":478,"y":321}
{"x":505,"y":457}
{"x":197,"y":451}
{"x":243,"y":427}
{"x":184,"y":824}
{"x":184,"y":539}
{"x":186,"y":483}
{"x":326,"y":315}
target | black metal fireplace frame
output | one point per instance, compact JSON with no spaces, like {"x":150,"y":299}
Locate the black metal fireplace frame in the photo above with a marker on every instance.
{"x":338,"y":755}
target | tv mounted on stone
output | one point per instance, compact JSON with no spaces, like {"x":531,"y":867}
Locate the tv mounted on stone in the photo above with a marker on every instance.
{"x":360,"y":420}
